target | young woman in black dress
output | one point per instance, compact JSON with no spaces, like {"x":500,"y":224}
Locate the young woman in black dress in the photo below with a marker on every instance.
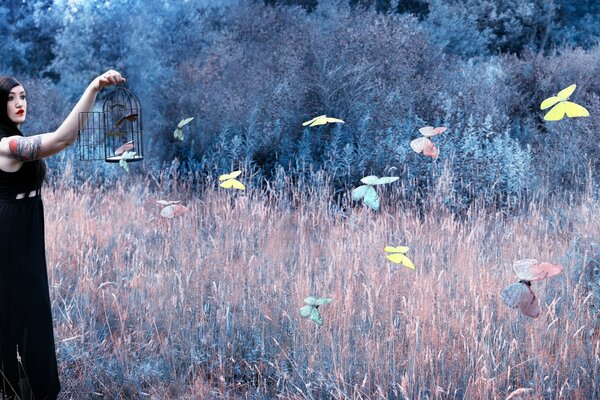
{"x":28,"y":367}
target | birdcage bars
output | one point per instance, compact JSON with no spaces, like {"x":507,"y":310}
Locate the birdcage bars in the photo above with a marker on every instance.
{"x":123,"y":122}
{"x":115,"y":133}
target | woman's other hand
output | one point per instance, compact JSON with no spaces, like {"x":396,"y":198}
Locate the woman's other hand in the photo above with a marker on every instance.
{"x":109,"y":78}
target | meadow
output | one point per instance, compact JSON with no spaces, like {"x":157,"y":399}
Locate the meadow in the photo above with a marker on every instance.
{"x":206,"y":306}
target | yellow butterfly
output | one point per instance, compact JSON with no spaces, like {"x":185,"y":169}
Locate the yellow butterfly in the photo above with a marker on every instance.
{"x":231,"y":182}
{"x":398,"y":256}
{"x":322,"y":120}
{"x":562,"y":106}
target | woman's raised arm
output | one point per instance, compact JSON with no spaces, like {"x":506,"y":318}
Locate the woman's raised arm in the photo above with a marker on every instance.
{"x":17,"y":149}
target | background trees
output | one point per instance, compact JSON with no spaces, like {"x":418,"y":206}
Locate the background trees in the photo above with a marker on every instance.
{"x":251,"y":73}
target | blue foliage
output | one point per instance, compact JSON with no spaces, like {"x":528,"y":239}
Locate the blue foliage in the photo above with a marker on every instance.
{"x":251,"y":73}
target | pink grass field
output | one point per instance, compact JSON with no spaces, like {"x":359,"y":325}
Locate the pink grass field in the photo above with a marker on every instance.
{"x":207,"y":305}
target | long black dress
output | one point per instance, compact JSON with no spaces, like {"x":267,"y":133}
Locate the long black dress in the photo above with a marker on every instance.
{"x":27,"y":353}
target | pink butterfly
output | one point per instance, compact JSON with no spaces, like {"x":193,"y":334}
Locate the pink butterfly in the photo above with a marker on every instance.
{"x":519,"y":295}
{"x":127,"y":146}
{"x":172,"y":208}
{"x":429,"y":131}
{"x":424,"y":144}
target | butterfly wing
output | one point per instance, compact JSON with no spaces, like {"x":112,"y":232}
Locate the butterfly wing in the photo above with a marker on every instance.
{"x":359,"y":192}
{"x":334,"y":120}
{"x":371,"y":198}
{"x":228,"y":184}
{"x":420,"y":144}
{"x":168,"y":212}
{"x":233,"y":183}
{"x":431,"y":151}
{"x":167,"y":202}
{"x":386,"y":179}
{"x":231,"y":175}
{"x":531,"y":308}
{"x":369,"y":180}
{"x":530,"y":270}
{"x":399,"y":258}
{"x":178,"y":134}
{"x":319,"y":121}
{"x":115,"y":133}
{"x":523,"y":268}
{"x":324,"y":300}
{"x":426,"y":131}
{"x":315,"y":316}
{"x":124,"y":148}
{"x":310,"y":300}
{"x":305,"y":311}
{"x":237,"y":184}
{"x":313,"y":120}
{"x":549,"y":102}
{"x":123,"y":163}
{"x":429,"y":131}
{"x":566,"y":92}
{"x":557,"y":112}
{"x":439,"y":130}
{"x":119,"y":122}
{"x":173,"y":210}
{"x":519,"y":295}
{"x":574,"y":110}
{"x":184,"y":122}
{"x":179,"y":209}
{"x":398,"y":249}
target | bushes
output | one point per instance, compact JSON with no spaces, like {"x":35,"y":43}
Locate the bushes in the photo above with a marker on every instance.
{"x":252,"y":73}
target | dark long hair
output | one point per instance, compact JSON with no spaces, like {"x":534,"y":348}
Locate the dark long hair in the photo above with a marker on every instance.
{"x":9,"y":128}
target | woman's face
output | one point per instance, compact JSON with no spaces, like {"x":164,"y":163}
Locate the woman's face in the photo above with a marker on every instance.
{"x":16,"y":107}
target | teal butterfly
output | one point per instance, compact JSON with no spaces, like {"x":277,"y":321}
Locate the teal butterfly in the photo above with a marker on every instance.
{"x":178,"y":133}
{"x":311,"y":309}
{"x":367,"y":192}
{"x":127,"y":155}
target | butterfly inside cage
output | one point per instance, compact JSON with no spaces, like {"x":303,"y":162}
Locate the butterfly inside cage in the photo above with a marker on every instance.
{"x":114,"y":134}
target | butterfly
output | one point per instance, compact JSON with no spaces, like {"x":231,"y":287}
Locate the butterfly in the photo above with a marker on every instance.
{"x":126,"y":155}
{"x":178,"y":133}
{"x":429,"y":131}
{"x":231,"y":182}
{"x":172,"y":209}
{"x":321,"y":120}
{"x":130,"y":118}
{"x":424,"y":144}
{"x":367,"y":192}
{"x":116,"y":133}
{"x":398,"y":255}
{"x":311,"y":309}
{"x":519,"y":295}
{"x":562,"y":106}
{"x":124,"y":148}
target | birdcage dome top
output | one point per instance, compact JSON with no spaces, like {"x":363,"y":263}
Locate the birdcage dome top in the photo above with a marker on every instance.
{"x":121,"y":97}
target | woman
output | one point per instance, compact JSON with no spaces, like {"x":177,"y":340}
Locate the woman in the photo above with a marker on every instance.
{"x":27,"y":355}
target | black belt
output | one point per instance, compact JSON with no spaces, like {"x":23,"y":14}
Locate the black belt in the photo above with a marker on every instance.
{"x":32,"y":193}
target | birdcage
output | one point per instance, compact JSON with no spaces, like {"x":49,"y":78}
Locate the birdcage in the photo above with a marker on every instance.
{"x":115,"y":133}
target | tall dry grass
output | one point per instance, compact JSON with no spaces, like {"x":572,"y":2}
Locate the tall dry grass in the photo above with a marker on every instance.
{"x":206,"y":305}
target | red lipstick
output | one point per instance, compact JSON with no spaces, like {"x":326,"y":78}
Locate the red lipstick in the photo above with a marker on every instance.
{"x":20,"y":112}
